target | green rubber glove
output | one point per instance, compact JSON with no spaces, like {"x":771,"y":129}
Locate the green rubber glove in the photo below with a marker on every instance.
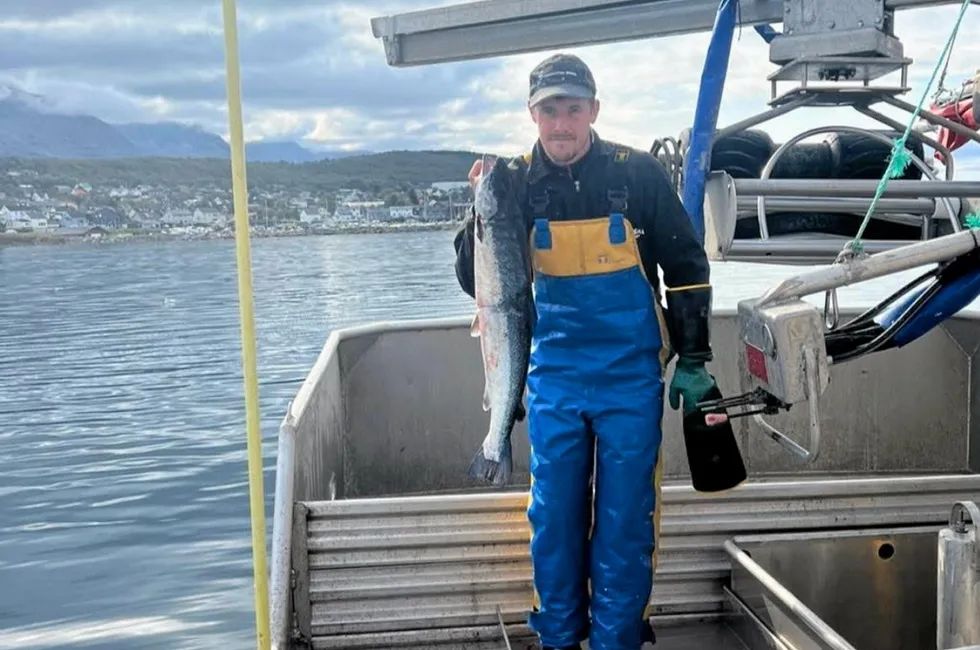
{"x":692,"y":381}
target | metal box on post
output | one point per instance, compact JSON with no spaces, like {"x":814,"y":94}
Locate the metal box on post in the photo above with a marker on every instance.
{"x":775,"y":339}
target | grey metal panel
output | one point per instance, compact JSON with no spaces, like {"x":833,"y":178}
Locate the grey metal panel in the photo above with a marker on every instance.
{"x":421,"y":563}
{"x":317,"y":414}
{"x":499,"y":27}
{"x":876,"y":590}
{"x":413,"y":419}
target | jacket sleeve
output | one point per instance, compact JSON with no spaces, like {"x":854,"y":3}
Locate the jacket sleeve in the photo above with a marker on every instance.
{"x":463,"y":243}
{"x":671,"y":240}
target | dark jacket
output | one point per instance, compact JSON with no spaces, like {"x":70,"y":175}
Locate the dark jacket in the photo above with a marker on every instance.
{"x":665,"y":236}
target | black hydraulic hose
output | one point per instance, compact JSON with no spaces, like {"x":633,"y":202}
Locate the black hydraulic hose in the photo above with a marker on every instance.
{"x":863,"y":319}
{"x":888,"y":334}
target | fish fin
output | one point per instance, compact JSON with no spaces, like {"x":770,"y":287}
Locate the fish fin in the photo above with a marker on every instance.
{"x":475,"y":325}
{"x":520,"y":413}
{"x":486,"y":396}
{"x":493,"y":471}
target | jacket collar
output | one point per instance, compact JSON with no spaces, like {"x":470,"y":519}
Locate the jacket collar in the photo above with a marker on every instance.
{"x":542,"y":166}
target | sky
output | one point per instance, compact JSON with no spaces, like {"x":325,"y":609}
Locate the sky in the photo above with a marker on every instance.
{"x":313,"y":72}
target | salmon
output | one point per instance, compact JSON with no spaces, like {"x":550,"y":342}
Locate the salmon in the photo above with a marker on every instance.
{"x":504,"y":316}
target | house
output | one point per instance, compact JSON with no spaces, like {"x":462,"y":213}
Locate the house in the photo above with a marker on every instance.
{"x":208,"y":217}
{"x":179,"y":217}
{"x":107,"y":218}
{"x":72,"y":220}
{"x":401,"y":212}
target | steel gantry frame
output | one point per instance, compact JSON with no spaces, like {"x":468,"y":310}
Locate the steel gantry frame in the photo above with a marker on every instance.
{"x":831,"y":50}
{"x":489,"y":28}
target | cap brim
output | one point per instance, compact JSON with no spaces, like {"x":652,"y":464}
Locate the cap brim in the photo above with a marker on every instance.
{"x":566,"y":90}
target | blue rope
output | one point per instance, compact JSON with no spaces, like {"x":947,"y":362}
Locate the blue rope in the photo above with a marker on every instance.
{"x":900,"y":156}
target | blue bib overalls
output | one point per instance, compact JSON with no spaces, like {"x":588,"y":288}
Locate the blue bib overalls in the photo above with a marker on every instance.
{"x":595,"y":405}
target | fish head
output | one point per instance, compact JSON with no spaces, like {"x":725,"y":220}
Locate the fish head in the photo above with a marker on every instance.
{"x":495,"y":198}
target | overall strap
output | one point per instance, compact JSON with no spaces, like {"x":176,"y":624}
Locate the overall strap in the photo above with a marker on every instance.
{"x":617,"y":181}
{"x":537,"y":197}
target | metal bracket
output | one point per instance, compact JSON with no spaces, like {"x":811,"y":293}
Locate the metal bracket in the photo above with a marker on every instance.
{"x":810,"y":371}
{"x":769,"y":404}
{"x":961,"y":513}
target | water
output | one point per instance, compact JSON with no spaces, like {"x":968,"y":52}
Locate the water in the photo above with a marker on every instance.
{"x":124,"y":517}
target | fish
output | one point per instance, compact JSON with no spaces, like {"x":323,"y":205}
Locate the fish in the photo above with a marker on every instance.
{"x":504,"y":318}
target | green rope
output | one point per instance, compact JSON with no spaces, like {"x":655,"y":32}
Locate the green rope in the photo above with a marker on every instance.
{"x":900,"y":156}
{"x":973,"y":221}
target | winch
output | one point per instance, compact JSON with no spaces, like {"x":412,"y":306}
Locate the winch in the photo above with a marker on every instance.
{"x":786,"y":345}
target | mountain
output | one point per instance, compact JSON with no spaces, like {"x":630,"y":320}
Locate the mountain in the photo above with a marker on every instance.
{"x":31,"y":126}
{"x":173,"y":140}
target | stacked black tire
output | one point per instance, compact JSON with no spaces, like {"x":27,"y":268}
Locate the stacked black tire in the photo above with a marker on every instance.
{"x":839,"y":155}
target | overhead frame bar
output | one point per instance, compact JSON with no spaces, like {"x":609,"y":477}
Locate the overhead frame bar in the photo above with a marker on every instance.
{"x":490,"y":28}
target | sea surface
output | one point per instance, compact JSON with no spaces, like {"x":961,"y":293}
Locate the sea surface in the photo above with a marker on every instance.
{"x":124,"y":518}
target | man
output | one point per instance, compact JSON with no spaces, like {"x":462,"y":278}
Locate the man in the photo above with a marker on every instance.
{"x":601,"y":218}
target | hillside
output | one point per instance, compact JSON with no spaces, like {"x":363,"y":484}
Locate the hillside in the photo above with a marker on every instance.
{"x":372,"y":172}
{"x":32,"y":126}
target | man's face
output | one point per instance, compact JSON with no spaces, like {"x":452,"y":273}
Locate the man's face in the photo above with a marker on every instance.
{"x":563,"y":126}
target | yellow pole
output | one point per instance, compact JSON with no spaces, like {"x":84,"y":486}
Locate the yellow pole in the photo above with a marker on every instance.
{"x":246,"y":314}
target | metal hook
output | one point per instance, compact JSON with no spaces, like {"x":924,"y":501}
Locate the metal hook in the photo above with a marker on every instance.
{"x":831,"y":297}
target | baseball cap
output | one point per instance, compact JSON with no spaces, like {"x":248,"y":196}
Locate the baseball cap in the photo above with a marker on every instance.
{"x":561,"y":75}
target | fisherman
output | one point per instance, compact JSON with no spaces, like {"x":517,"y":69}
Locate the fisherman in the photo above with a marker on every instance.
{"x":601,"y":218}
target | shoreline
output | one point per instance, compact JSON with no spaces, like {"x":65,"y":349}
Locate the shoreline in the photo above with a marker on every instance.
{"x":49,"y":238}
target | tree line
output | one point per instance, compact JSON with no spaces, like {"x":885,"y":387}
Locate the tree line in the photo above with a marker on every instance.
{"x":393,"y":171}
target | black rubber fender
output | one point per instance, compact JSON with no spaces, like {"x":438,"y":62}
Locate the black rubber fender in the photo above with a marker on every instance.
{"x":862,"y":157}
{"x":742,"y":154}
{"x":806,"y":160}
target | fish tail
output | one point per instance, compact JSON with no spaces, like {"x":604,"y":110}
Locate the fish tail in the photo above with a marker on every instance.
{"x":492,"y":471}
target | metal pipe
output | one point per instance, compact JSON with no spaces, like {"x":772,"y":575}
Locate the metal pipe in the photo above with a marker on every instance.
{"x":804,"y":614}
{"x":282,"y":535}
{"x":845,"y":205}
{"x":814,"y":249}
{"x":697,"y":160}
{"x":771,"y":164}
{"x":765,"y":116}
{"x":854,"y":188}
{"x":874,"y":266}
{"x":247,"y":319}
{"x":932,"y":118}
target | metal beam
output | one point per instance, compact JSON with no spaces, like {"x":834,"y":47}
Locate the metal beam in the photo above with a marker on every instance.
{"x":489,"y":28}
{"x":501,"y":27}
{"x":839,"y":188}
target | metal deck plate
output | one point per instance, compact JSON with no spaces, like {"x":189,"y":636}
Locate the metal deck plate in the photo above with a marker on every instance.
{"x":697,"y":636}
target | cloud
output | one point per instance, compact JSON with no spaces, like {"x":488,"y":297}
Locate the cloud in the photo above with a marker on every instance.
{"x":312,"y":69}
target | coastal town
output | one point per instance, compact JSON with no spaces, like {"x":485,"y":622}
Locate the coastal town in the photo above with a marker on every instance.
{"x":32,"y":211}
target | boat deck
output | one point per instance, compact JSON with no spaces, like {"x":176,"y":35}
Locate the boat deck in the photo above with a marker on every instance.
{"x":380,"y":543}
{"x":716,"y":635}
